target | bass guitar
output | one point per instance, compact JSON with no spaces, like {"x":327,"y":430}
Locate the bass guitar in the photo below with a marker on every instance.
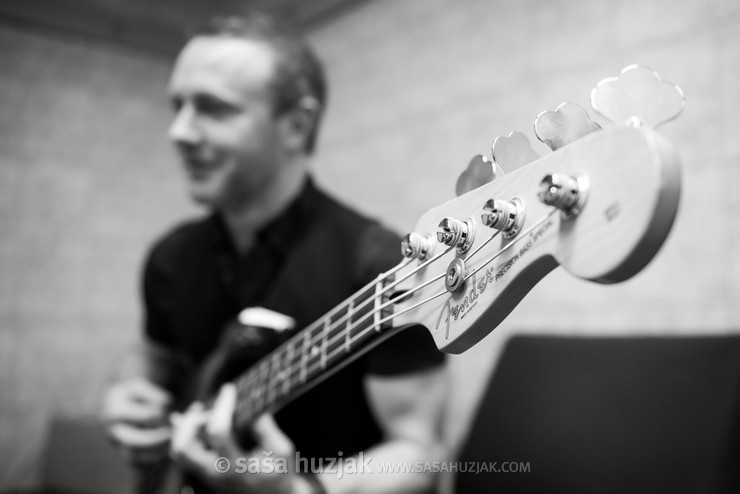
{"x":600,"y":205}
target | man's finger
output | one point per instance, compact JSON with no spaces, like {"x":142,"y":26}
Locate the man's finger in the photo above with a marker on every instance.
{"x":187,"y":426}
{"x":219,"y":427}
{"x":187,"y":449}
{"x":270,"y":437}
{"x":134,"y":413}
{"x":146,"y":391}
{"x":131,"y":436}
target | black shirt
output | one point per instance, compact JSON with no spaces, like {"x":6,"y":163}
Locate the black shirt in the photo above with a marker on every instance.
{"x":304,"y":263}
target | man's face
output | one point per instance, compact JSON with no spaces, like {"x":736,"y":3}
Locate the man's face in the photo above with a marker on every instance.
{"x":224,"y":125}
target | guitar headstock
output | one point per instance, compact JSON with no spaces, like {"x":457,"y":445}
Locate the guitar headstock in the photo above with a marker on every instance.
{"x":600,"y":205}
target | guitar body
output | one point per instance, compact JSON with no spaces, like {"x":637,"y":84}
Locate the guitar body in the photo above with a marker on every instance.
{"x":239,"y":347}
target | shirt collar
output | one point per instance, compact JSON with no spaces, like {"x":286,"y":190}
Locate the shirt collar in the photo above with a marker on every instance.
{"x":283,"y":231}
{"x":287,"y":228}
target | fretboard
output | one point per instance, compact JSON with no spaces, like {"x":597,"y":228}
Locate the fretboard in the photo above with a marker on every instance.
{"x":342,"y":334}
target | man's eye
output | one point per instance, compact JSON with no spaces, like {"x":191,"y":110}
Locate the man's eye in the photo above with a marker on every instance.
{"x":215,"y":108}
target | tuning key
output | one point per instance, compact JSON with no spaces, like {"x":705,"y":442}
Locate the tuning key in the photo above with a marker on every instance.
{"x":564,"y":192}
{"x":480,"y":171}
{"x":637,"y":96}
{"x":456,"y":233}
{"x":505,"y":216}
{"x":416,"y":246}
{"x":566,"y":124}
{"x":513,"y":151}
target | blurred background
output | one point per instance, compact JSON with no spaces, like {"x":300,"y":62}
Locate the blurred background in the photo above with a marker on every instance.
{"x":417,"y":87}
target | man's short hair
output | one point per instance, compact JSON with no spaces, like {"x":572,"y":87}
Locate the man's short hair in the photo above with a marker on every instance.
{"x":299,"y":74}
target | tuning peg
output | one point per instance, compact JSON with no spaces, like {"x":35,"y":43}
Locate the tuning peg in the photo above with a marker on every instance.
{"x":513,"y":151}
{"x":505,"y":216}
{"x":566,"y":124}
{"x":456,"y":233}
{"x":416,"y":246}
{"x":637,"y":96}
{"x":479,"y":172}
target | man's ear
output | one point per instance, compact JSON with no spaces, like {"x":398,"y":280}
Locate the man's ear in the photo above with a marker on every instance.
{"x":299,"y":122}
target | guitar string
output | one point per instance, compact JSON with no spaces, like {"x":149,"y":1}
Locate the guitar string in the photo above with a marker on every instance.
{"x":319,"y":323}
{"x":271,"y":384}
{"x":522,"y":235}
{"x":382,"y":277}
{"x":429,"y":299}
{"x":312,"y":367}
{"x":332,"y":327}
{"x":293,"y":368}
{"x":415,"y":289}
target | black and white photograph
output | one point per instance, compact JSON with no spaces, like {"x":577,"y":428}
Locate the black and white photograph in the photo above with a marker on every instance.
{"x":369,"y":246}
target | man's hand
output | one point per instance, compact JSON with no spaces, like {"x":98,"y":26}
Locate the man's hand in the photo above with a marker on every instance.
{"x":204,"y":444}
{"x":135,"y":414}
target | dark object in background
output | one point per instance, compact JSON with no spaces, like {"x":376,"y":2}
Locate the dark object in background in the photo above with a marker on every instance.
{"x":80,"y":460}
{"x":610,"y":415}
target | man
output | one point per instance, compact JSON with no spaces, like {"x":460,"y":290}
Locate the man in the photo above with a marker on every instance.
{"x":248,"y":97}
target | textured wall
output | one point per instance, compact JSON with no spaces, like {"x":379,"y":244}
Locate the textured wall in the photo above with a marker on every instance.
{"x":86,"y":180}
{"x":419,"y":86}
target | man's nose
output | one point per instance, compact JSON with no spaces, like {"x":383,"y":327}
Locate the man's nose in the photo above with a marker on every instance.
{"x":184,"y":127}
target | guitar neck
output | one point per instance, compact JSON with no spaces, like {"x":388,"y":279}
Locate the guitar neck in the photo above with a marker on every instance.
{"x":314,"y":353}
{"x":601,"y":205}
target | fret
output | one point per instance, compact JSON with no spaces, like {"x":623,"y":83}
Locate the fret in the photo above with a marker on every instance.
{"x":325,"y":340}
{"x":314,"y":351}
{"x":242,"y":397}
{"x":288,"y":370}
{"x":304,"y":355}
{"x":377,"y":302}
{"x":262,"y":386}
{"x":244,"y":403}
{"x":339,"y":321}
{"x":348,"y":326}
{"x":257,"y":392}
{"x":274,"y":377}
{"x":254,"y":391}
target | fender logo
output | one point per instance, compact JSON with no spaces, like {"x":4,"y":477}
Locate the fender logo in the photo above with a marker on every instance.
{"x":452,"y":312}
{"x":458,"y":311}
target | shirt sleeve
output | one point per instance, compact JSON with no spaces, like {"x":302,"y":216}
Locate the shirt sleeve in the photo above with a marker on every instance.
{"x":411,"y":349}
